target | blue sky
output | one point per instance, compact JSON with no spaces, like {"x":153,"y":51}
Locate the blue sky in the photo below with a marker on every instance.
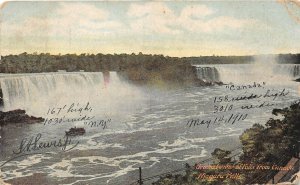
{"x":173,"y":28}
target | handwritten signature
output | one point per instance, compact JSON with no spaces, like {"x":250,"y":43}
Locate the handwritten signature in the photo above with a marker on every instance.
{"x":34,"y":144}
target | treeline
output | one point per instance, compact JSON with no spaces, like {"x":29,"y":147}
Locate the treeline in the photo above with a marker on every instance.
{"x":45,"y":62}
{"x":281,"y":58}
{"x":220,"y":60}
{"x":289,"y":58}
{"x":274,"y":143}
{"x":141,"y":68}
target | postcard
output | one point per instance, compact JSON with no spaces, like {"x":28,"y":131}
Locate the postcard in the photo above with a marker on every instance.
{"x":149,"y":92}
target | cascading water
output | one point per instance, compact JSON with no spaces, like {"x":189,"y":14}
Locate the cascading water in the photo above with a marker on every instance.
{"x":292,"y":70}
{"x":245,"y":73}
{"x":35,"y":93}
{"x":209,"y":74}
{"x":154,"y":133}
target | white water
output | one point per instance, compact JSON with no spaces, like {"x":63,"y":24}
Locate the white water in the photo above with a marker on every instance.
{"x":209,"y":74}
{"x":35,"y":93}
{"x":245,"y":73}
{"x":154,"y":136}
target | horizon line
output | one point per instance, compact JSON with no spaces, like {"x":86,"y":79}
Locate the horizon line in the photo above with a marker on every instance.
{"x":153,"y":54}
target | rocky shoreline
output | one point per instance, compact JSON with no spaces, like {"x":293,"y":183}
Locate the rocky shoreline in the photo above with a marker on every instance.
{"x":180,"y":74}
{"x":18,"y":116}
{"x":276,"y":142}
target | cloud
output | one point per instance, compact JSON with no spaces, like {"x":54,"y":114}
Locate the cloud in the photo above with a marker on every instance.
{"x":216,"y":24}
{"x":77,"y":19}
{"x":152,"y":17}
{"x":81,"y":11}
{"x":159,"y":18}
{"x":144,"y":26}
{"x":151,"y":8}
{"x":196,"y":11}
{"x":87,"y":20}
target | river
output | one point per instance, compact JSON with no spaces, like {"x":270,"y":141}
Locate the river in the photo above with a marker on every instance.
{"x":147,"y":128}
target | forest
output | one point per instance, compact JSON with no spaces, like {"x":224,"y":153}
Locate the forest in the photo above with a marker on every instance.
{"x":45,"y":62}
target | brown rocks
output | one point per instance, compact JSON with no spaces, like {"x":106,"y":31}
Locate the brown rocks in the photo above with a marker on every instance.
{"x":18,"y":116}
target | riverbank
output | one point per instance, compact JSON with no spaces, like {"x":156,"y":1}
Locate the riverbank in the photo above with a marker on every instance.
{"x":18,"y":116}
{"x":166,"y":74}
{"x":274,"y":143}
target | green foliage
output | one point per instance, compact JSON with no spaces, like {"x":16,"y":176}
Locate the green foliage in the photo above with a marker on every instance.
{"x":274,"y":143}
{"x":221,"y":156}
{"x":140,"y":69}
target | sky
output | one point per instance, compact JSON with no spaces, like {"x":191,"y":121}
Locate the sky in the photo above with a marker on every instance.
{"x":173,"y":28}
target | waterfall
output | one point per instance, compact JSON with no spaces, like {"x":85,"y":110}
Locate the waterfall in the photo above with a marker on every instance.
{"x":209,"y":74}
{"x":293,"y":70}
{"x":241,"y":73}
{"x":35,"y":93}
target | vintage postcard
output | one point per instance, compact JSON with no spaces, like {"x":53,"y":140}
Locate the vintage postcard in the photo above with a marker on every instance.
{"x":149,"y":92}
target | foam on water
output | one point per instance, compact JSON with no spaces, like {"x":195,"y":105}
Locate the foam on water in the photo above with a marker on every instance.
{"x":153,"y":135}
{"x":35,"y":93}
{"x":257,"y":72}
